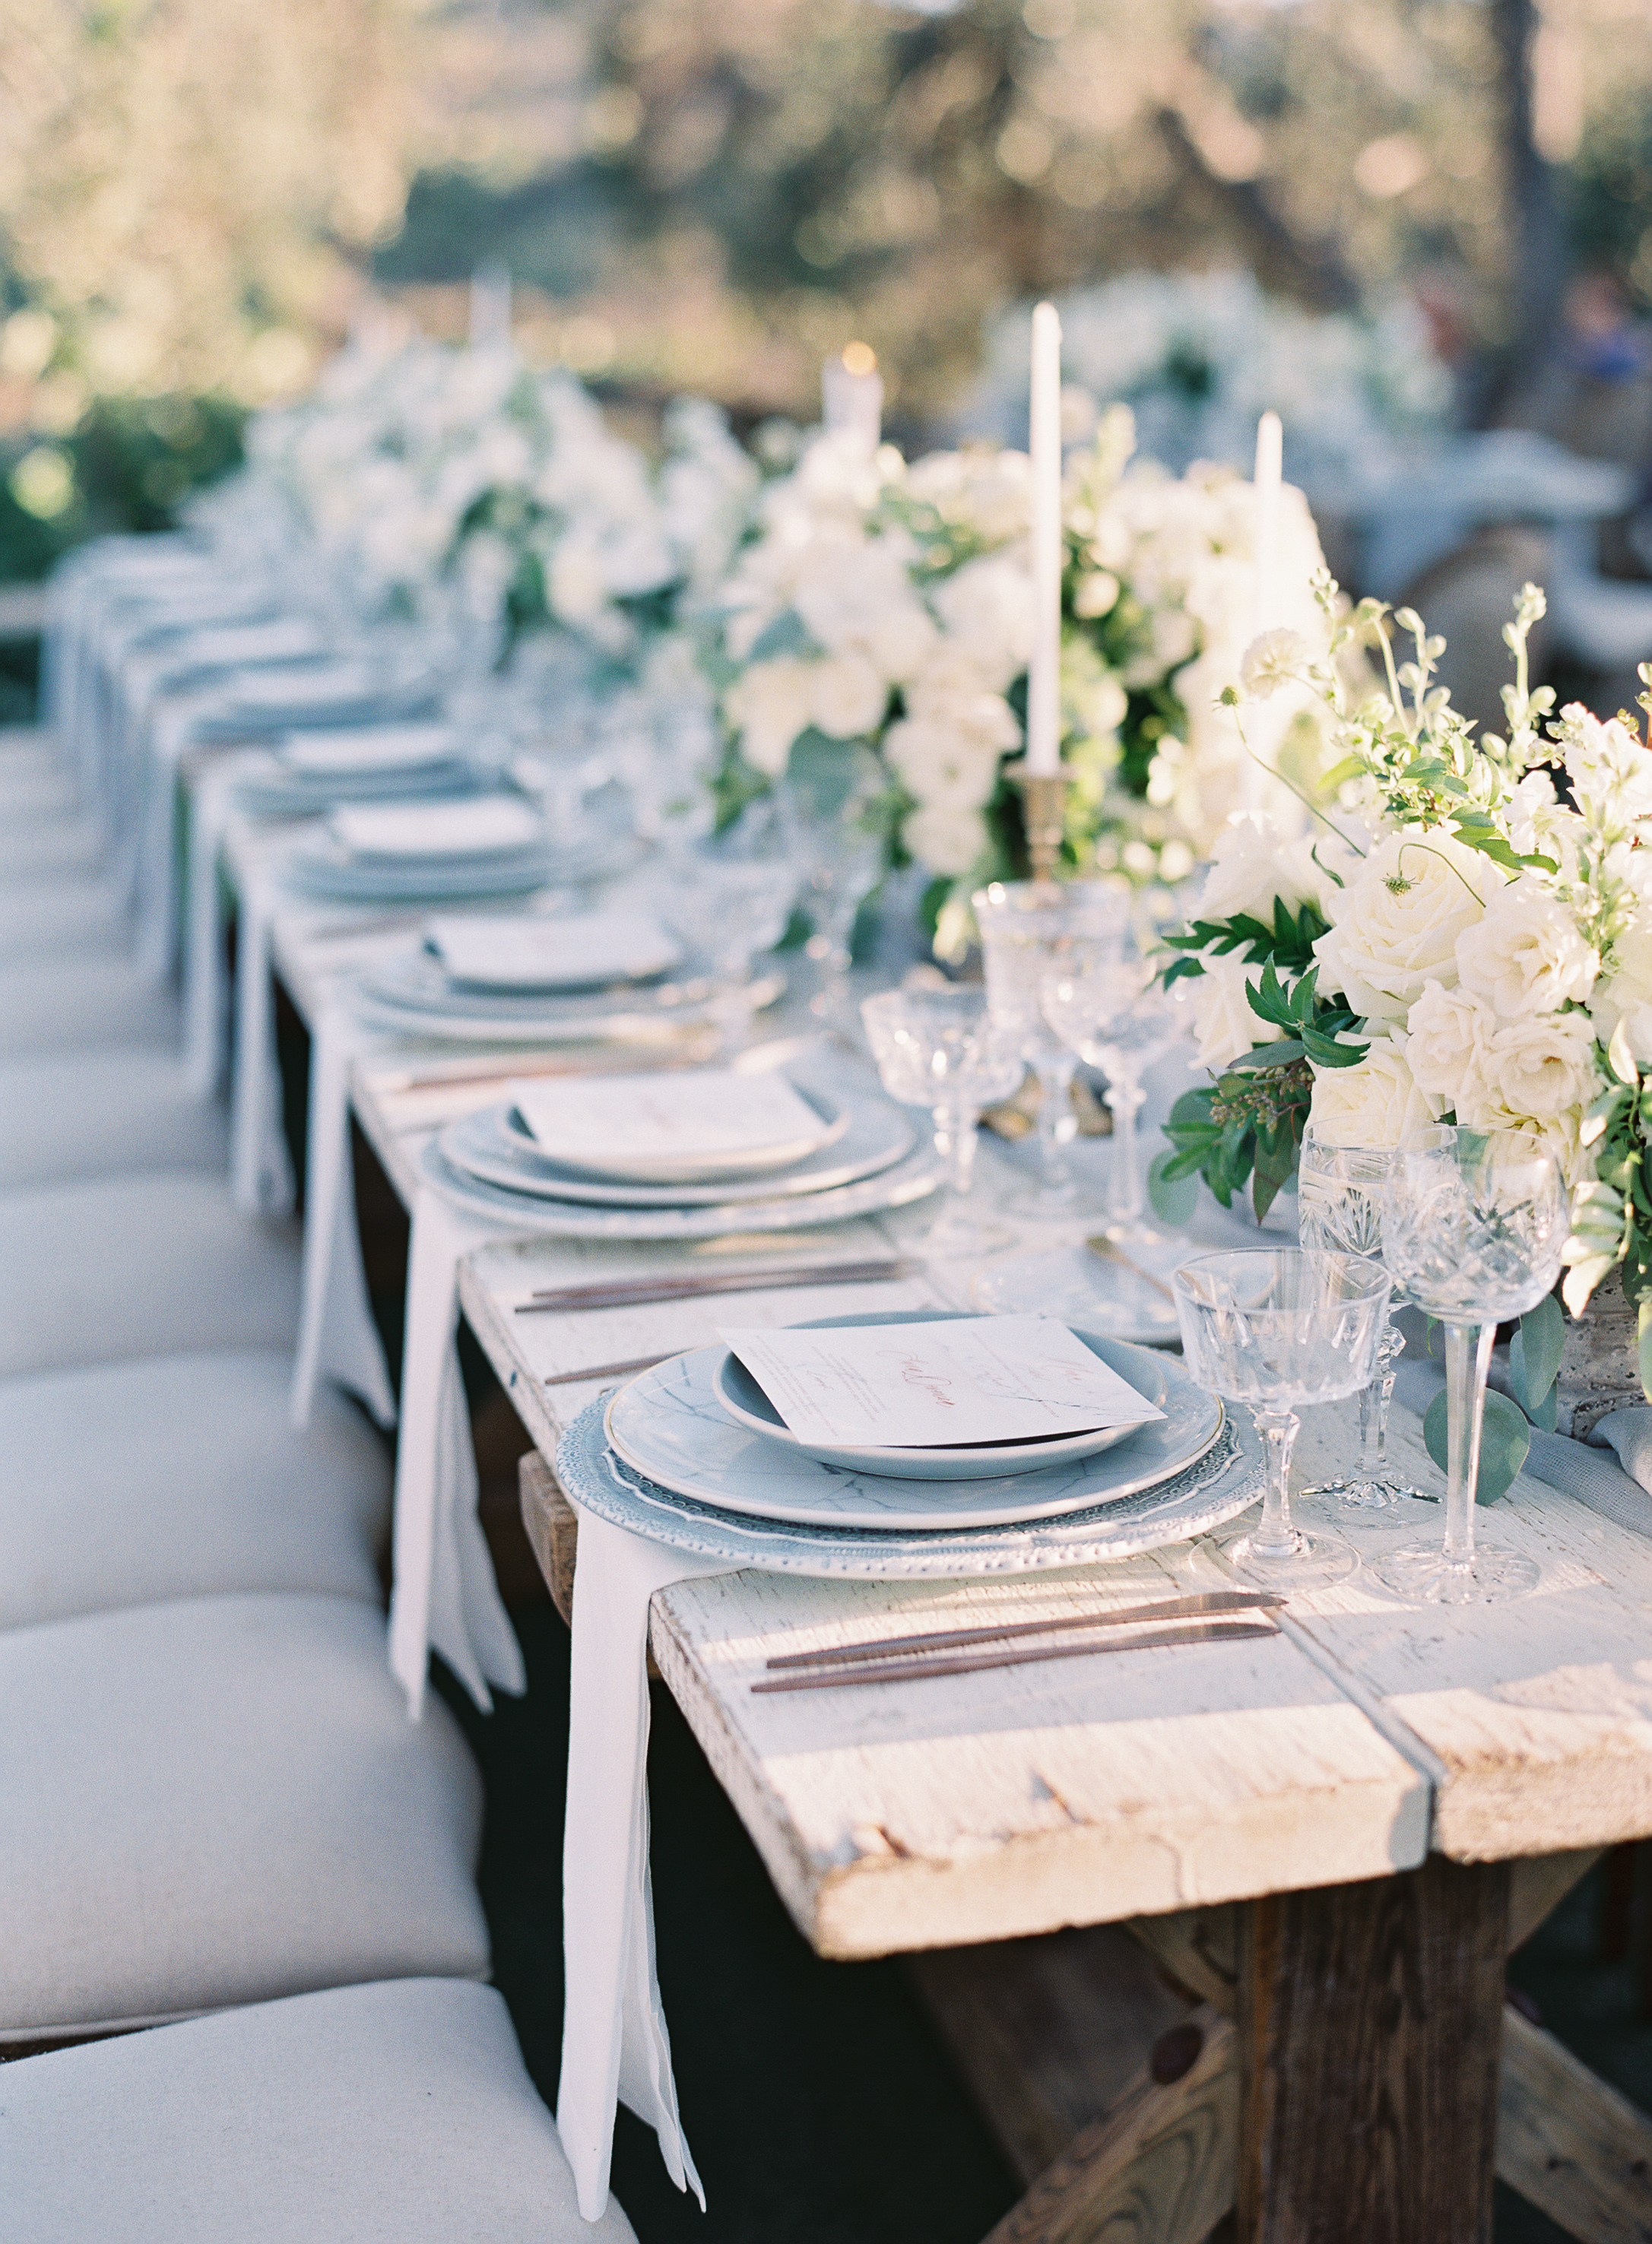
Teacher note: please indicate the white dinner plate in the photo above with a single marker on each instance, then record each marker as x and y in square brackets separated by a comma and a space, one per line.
[495, 1147]
[415, 978]
[898, 1186]
[743, 1398]
[669, 1426]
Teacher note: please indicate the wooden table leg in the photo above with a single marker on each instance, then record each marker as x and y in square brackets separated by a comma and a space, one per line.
[1370, 2026]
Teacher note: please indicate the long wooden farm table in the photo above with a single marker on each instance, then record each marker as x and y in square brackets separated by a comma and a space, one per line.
[1327, 1842]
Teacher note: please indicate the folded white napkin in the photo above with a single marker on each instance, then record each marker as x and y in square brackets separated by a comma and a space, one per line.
[261, 1171]
[552, 954]
[206, 1011]
[367, 750]
[444, 1594]
[614, 2042]
[337, 1338]
[477, 826]
[284, 639]
[271, 693]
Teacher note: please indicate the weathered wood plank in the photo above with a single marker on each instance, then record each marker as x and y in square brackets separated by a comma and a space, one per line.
[1537, 1716]
[553, 1529]
[1570, 2143]
[1370, 2039]
[1019, 1800]
[1156, 2169]
[1048, 2033]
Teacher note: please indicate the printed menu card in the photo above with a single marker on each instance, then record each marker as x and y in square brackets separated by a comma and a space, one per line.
[928, 1386]
[672, 1116]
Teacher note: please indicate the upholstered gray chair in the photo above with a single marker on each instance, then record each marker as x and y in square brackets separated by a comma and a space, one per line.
[110, 1269]
[78, 1115]
[399, 2111]
[220, 1801]
[129, 1484]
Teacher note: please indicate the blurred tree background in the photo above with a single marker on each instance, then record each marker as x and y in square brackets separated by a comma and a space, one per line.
[198, 197]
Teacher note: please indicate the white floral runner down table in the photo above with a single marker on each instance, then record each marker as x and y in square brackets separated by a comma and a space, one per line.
[1384, 1764]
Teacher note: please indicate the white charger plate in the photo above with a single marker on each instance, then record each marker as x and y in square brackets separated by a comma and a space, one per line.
[492, 1146]
[669, 1426]
[898, 1186]
[742, 1397]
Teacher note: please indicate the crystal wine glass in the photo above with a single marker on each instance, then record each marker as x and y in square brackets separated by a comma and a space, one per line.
[729, 895]
[1279, 1331]
[1027, 927]
[1107, 1006]
[831, 800]
[941, 1049]
[1339, 1192]
[1474, 1225]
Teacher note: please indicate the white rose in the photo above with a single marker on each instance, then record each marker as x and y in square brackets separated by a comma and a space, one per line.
[899, 639]
[952, 692]
[1396, 924]
[1625, 993]
[1224, 1027]
[1526, 955]
[1254, 860]
[1442, 1041]
[847, 696]
[769, 707]
[946, 838]
[942, 768]
[1538, 1069]
[575, 584]
[1378, 1102]
[987, 606]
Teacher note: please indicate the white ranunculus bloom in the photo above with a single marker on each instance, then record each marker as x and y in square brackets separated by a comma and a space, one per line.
[1526, 955]
[939, 765]
[1376, 1102]
[1537, 1069]
[987, 606]
[848, 696]
[947, 837]
[1224, 1027]
[1395, 926]
[768, 705]
[1624, 993]
[900, 639]
[1442, 1041]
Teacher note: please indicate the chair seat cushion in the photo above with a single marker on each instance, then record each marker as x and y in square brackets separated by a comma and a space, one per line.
[45, 849]
[391, 2114]
[89, 1114]
[103, 1271]
[75, 1004]
[180, 1477]
[73, 918]
[220, 1801]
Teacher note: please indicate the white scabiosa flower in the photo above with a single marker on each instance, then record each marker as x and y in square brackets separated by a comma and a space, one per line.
[1272, 659]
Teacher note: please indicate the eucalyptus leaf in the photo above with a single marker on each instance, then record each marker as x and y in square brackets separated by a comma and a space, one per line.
[1173, 1199]
[1534, 1354]
[1505, 1439]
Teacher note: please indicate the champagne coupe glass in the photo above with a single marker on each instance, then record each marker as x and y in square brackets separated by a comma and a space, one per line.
[941, 1049]
[1339, 1191]
[1474, 1225]
[1277, 1332]
[1107, 1006]
[729, 895]
[1027, 927]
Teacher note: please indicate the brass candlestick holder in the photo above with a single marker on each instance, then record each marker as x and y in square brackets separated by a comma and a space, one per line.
[1043, 814]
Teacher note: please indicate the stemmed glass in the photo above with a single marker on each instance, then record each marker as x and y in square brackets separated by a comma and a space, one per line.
[729, 895]
[1280, 1331]
[1339, 1191]
[831, 801]
[941, 1049]
[1027, 927]
[1474, 1226]
[1106, 1007]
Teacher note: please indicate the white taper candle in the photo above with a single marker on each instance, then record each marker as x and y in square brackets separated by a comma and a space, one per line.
[1270, 437]
[1044, 676]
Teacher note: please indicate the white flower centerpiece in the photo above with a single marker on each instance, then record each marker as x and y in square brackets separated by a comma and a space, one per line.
[432, 467]
[887, 607]
[1460, 945]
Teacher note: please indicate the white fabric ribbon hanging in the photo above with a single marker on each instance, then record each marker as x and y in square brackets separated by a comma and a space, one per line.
[337, 1338]
[261, 1170]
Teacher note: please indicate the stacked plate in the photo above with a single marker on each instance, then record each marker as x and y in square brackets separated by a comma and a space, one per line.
[309, 772]
[538, 980]
[688, 1154]
[472, 846]
[693, 1454]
